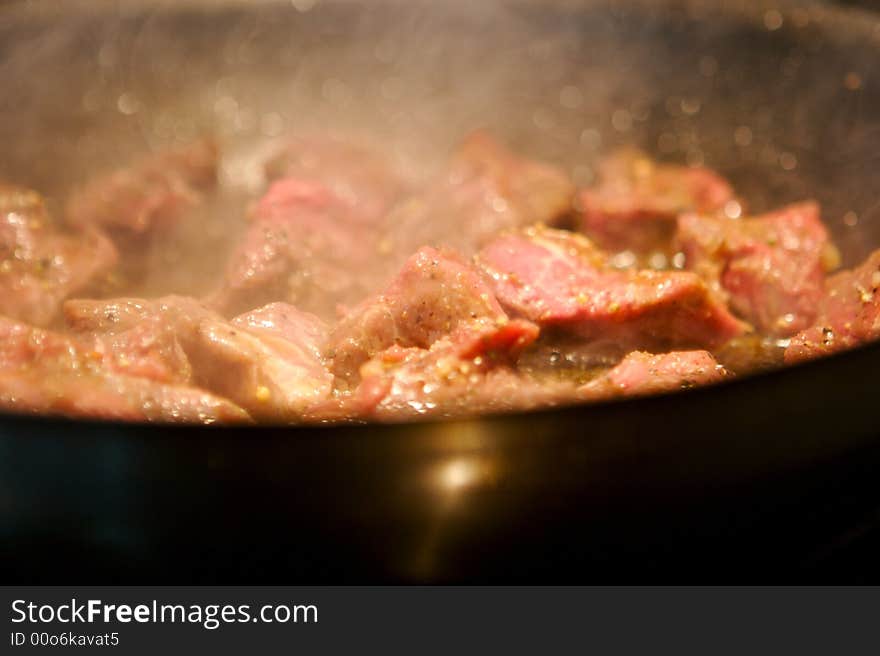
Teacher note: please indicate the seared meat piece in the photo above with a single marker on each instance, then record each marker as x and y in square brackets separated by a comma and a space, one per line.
[286, 322]
[141, 337]
[40, 264]
[314, 237]
[46, 372]
[359, 176]
[150, 349]
[305, 245]
[319, 240]
[771, 267]
[484, 190]
[643, 373]
[751, 353]
[434, 294]
[636, 200]
[120, 314]
[269, 361]
[21, 344]
[150, 194]
[355, 298]
[92, 395]
[467, 372]
[558, 356]
[559, 280]
[849, 314]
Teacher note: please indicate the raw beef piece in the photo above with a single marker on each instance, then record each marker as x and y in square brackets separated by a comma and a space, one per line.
[849, 314]
[434, 294]
[40, 264]
[91, 395]
[359, 176]
[150, 194]
[643, 373]
[314, 238]
[286, 322]
[467, 372]
[115, 315]
[771, 268]
[560, 281]
[304, 245]
[267, 361]
[139, 351]
[636, 200]
[46, 372]
[323, 242]
[21, 344]
[485, 189]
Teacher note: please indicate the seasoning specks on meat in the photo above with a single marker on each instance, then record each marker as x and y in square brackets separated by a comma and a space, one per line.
[153, 191]
[643, 373]
[770, 267]
[484, 189]
[636, 201]
[42, 264]
[434, 294]
[560, 280]
[354, 295]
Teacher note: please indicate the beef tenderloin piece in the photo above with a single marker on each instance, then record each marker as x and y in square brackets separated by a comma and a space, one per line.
[434, 294]
[848, 314]
[314, 238]
[770, 268]
[635, 201]
[358, 175]
[149, 195]
[267, 361]
[641, 373]
[304, 245]
[562, 282]
[42, 264]
[45, 372]
[484, 190]
[148, 338]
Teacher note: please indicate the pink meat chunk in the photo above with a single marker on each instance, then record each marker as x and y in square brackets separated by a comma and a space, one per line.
[150, 194]
[267, 361]
[117, 315]
[43, 372]
[40, 264]
[636, 200]
[559, 280]
[849, 314]
[356, 174]
[467, 372]
[771, 268]
[284, 321]
[312, 242]
[109, 397]
[643, 373]
[485, 189]
[433, 295]
[145, 338]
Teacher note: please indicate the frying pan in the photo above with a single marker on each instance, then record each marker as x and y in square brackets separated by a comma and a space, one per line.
[731, 481]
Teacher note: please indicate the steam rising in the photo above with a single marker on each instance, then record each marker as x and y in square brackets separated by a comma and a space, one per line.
[735, 88]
